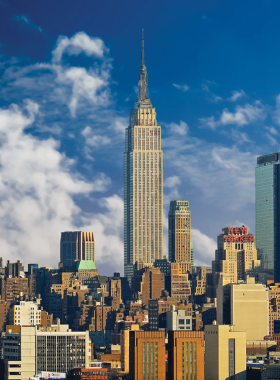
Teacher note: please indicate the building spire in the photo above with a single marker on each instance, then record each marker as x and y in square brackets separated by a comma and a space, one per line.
[143, 53]
[143, 99]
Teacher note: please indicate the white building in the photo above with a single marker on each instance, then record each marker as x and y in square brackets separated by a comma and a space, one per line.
[27, 313]
[27, 350]
[177, 320]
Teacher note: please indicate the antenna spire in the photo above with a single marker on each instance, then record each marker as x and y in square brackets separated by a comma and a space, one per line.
[143, 54]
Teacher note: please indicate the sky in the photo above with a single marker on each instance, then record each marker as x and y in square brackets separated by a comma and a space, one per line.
[68, 80]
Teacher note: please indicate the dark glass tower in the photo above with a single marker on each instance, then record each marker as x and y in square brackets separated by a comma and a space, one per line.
[268, 212]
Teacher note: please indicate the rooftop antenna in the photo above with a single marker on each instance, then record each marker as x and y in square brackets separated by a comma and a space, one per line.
[142, 54]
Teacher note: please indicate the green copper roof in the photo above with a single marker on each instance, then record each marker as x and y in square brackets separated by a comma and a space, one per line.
[85, 265]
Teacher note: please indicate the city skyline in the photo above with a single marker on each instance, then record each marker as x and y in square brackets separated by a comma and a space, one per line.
[68, 139]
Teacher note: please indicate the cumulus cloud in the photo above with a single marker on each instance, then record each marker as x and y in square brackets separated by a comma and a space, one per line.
[242, 116]
[93, 139]
[37, 186]
[236, 95]
[79, 43]
[181, 87]
[204, 247]
[57, 83]
[181, 128]
[172, 181]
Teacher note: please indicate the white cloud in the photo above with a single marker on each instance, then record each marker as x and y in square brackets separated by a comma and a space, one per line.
[181, 129]
[77, 44]
[37, 185]
[182, 87]
[204, 247]
[242, 116]
[94, 140]
[172, 181]
[85, 84]
[236, 95]
[272, 130]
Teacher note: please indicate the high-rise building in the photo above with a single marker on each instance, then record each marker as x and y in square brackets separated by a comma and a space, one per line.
[268, 212]
[244, 306]
[76, 245]
[179, 230]
[225, 353]
[235, 255]
[186, 355]
[143, 181]
[26, 313]
[147, 355]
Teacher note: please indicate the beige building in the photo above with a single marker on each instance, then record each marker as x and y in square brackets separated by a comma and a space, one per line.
[27, 350]
[225, 353]
[27, 313]
[245, 306]
[179, 233]
[180, 284]
[143, 181]
[76, 245]
[235, 255]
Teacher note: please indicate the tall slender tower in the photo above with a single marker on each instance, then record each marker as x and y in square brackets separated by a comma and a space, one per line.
[143, 188]
[179, 230]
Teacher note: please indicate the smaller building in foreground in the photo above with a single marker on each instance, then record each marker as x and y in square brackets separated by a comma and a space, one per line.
[225, 353]
[186, 355]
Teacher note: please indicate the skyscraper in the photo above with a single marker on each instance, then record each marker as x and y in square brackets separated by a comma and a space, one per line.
[235, 255]
[268, 212]
[179, 230]
[143, 195]
[76, 245]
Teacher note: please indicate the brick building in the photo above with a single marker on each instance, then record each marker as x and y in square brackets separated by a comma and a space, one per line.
[147, 355]
[186, 355]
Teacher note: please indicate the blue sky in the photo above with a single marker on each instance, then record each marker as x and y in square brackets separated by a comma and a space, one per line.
[68, 73]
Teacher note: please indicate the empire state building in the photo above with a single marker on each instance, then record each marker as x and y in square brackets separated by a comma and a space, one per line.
[143, 177]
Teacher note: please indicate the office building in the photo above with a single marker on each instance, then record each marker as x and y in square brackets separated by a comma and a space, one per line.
[186, 355]
[179, 233]
[76, 245]
[147, 355]
[267, 185]
[274, 306]
[245, 306]
[27, 350]
[143, 181]
[225, 353]
[235, 255]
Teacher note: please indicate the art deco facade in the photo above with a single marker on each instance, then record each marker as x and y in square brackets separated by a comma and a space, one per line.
[235, 255]
[179, 229]
[268, 212]
[143, 177]
[76, 245]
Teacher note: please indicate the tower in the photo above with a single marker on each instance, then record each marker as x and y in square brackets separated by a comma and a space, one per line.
[179, 230]
[76, 245]
[268, 212]
[143, 187]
